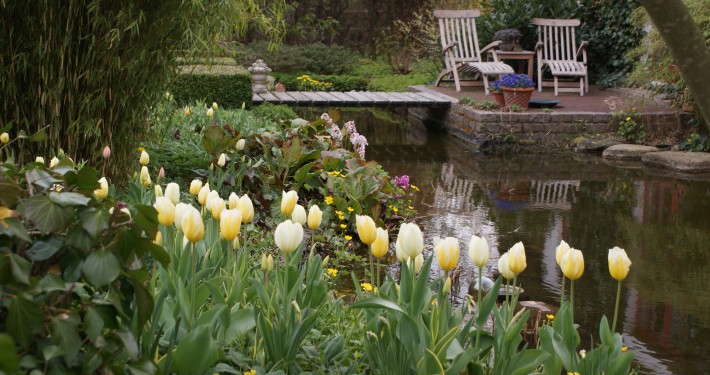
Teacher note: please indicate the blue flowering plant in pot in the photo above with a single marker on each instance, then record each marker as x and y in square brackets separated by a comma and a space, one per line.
[517, 89]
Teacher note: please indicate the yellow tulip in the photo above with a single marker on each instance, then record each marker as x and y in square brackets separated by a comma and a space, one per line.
[215, 106]
[267, 262]
[299, 215]
[188, 112]
[180, 210]
[172, 191]
[411, 240]
[4, 137]
[288, 202]
[158, 191]
[315, 217]
[418, 262]
[210, 112]
[240, 144]
[222, 160]
[166, 210]
[233, 201]
[401, 256]
[288, 236]
[504, 268]
[211, 196]
[478, 251]
[381, 244]
[230, 223]
[158, 239]
[145, 158]
[144, 176]
[202, 195]
[366, 229]
[192, 226]
[247, 208]
[573, 264]
[516, 260]
[195, 187]
[561, 249]
[39, 159]
[619, 263]
[53, 163]
[447, 253]
[102, 191]
[216, 207]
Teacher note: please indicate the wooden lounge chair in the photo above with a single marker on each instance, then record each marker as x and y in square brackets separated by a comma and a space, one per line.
[459, 42]
[557, 51]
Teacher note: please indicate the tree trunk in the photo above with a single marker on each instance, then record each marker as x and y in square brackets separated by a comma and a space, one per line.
[687, 46]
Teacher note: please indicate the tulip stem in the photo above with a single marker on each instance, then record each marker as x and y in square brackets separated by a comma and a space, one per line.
[616, 307]
[562, 293]
[571, 298]
[372, 268]
[193, 303]
[478, 305]
[285, 289]
[378, 273]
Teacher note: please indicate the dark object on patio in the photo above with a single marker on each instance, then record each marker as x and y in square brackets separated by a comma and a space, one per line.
[543, 103]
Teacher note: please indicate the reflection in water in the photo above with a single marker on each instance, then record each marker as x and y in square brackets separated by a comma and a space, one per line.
[541, 199]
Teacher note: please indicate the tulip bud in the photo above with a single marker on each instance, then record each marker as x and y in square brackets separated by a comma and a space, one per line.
[315, 217]
[166, 211]
[211, 196]
[447, 286]
[504, 268]
[39, 159]
[325, 261]
[560, 251]
[53, 163]
[230, 224]
[60, 153]
[299, 215]
[202, 195]
[4, 137]
[145, 158]
[240, 144]
[102, 191]
[145, 176]
[188, 112]
[619, 263]
[247, 209]
[158, 239]
[418, 262]
[379, 247]
[401, 256]
[158, 191]
[233, 201]
[216, 207]
[516, 260]
[172, 191]
[161, 173]
[288, 202]
[222, 160]
[478, 251]
[573, 264]
[180, 210]
[106, 153]
[192, 226]
[211, 167]
[411, 240]
[195, 187]
[210, 112]
[267, 262]
[366, 229]
[288, 236]
[215, 106]
[447, 253]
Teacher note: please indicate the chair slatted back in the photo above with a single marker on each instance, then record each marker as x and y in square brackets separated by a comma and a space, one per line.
[459, 26]
[558, 38]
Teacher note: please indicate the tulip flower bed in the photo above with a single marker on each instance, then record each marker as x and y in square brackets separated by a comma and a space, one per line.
[225, 275]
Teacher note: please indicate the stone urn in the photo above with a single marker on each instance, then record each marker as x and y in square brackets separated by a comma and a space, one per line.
[259, 73]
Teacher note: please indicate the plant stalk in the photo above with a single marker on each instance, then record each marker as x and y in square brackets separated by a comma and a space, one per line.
[478, 304]
[562, 293]
[571, 298]
[616, 307]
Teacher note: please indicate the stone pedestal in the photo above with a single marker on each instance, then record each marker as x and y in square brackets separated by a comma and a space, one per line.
[259, 73]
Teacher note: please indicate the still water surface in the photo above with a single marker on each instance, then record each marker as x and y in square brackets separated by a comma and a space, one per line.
[663, 223]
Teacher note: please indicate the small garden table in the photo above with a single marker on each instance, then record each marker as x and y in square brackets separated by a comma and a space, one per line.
[512, 55]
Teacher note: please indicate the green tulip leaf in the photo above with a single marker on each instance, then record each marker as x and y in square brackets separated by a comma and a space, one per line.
[196, 352]
[144, 303]
[376, 303]
[101, 267]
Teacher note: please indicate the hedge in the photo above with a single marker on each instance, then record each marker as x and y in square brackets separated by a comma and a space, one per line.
[228, 90]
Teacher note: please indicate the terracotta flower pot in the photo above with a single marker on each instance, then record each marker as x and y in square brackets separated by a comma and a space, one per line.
[517, 96]
[499, 98]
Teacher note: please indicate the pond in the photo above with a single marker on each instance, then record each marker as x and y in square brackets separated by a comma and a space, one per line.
[663, 223]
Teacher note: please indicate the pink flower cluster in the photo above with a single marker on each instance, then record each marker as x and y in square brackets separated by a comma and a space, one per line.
[359, 142]
[401, 181]
[334, 129]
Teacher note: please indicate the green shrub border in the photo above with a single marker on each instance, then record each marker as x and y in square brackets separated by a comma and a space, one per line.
[228, 90]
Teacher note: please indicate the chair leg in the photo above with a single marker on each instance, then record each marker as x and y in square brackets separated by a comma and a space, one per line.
[440, 77]
[556, 93]
[485, 83]
[586, 83]
[539, 77]
[581, 86]
[456, 79]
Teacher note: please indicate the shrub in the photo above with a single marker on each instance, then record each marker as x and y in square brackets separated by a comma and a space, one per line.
[229, 90]
[314, 58]
[272, 112]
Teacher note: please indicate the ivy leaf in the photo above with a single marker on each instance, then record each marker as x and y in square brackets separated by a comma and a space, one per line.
[9, 192]
[44, 249]
[20, 268]
[41, 178]
[47, 215]
[24, 319]
[65, 335]
[15, 229]
[68, 199]
[40, 136]
[94, 221]
[87, 180]
[9, 360]
[101, 267]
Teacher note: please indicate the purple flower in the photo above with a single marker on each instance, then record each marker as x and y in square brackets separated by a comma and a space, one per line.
[516, 81]
[401, 181]
[327, 118]
[335, 132]
[350, 128]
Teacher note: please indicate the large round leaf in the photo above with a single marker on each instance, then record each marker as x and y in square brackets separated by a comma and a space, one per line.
[100, 268]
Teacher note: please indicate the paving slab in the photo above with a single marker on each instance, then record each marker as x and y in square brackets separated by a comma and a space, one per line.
[594, 145]
[628, 151]
[687, 162]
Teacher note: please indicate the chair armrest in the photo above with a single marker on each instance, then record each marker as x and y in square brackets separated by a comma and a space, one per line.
[583, 50]
[450, 46]
[491, 45]
[538, 46]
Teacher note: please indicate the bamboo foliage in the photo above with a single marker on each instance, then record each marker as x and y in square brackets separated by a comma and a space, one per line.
[90, 69]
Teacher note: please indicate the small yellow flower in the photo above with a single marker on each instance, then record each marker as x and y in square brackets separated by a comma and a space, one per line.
[628, 119]
[332, 272]
[339, 213]
[141, 149]
[348, 238]
[572, 373]
[250, 372]
[395, 209]
[414, 187]
[366, 287]
[624, 348]
[343, 226]
[350, 209]
[410, 207]
[341, 217]
[550, 317]
[328, 200]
